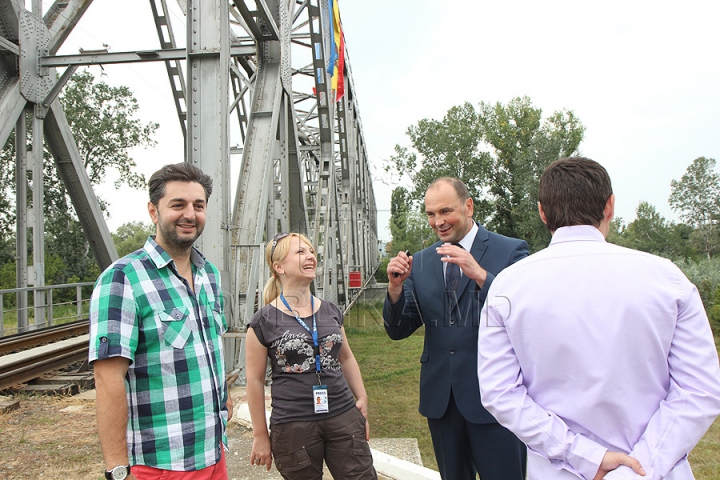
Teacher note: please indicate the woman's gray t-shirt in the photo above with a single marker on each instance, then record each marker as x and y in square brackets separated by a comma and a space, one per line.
[290, 349]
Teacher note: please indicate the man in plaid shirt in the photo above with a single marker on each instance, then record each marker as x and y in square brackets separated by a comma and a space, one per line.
[156, 320]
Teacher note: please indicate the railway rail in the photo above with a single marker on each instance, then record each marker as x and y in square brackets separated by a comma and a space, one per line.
[36, 338]
[27, 356]
[41, 351]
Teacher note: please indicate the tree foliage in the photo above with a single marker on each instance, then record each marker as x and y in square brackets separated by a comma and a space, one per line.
[408, 225]
[499, 151]
[696, 197]
[131, 236]
[447, 147]
[651, 232]
[102, 119]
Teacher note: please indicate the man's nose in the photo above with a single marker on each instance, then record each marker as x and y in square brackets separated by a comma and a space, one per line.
[189, 212]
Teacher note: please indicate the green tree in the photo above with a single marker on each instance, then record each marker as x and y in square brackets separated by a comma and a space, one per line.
[449, 147]
[499, 151]
[400, 204]
[523, 147]
[651, 232]
[68, 243]
[714, 312]
[616, 231]
[131, 236]
[409, 227]
[704, 274]
[381, 272]
[103, 125]
[102, 119]
[696, 196]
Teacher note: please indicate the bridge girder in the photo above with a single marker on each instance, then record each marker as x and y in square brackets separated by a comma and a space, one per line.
[256, 69]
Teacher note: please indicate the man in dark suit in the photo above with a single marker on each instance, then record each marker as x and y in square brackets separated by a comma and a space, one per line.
[429, 289]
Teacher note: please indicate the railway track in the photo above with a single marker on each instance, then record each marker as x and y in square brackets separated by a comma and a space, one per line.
[36, 338]
[25, 357]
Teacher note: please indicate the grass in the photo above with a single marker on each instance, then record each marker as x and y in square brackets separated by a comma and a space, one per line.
[62, 313]
[705, 457]
[391, 372]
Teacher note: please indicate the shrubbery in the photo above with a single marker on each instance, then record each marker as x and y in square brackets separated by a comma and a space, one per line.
[705, 274]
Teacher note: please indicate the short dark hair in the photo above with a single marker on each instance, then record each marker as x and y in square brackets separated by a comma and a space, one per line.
[178, 172]
[459, 186]
[574, 191]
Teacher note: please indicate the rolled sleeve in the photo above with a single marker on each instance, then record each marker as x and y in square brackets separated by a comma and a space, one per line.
[113, 314]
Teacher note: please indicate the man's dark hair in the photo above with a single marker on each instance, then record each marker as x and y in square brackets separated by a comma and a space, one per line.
[179, 172]
[574, 191]
[457, 184]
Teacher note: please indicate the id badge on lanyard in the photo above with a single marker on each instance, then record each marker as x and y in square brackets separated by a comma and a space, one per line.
[320, 397]
[320, 391]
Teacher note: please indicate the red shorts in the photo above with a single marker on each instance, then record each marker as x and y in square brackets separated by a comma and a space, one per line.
[213, 472]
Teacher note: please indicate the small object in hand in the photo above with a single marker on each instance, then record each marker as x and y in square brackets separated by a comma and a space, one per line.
[396, 274]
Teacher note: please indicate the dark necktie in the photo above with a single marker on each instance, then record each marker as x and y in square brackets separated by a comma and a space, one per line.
[452, 280]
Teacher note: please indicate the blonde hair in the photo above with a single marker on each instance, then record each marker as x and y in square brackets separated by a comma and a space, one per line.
[276, 253]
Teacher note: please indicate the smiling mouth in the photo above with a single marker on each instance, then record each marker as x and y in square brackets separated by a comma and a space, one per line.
[186, 226]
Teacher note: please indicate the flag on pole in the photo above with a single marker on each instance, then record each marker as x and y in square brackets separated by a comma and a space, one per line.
[336, 62]
[332, 58]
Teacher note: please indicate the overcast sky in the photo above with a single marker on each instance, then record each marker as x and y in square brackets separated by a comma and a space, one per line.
[642, 76]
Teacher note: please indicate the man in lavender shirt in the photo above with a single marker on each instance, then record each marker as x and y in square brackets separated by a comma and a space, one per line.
[598, 357]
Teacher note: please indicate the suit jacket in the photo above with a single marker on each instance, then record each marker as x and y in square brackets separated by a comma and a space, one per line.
[449, 358]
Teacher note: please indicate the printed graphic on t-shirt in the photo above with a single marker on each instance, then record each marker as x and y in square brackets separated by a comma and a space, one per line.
[294, 352]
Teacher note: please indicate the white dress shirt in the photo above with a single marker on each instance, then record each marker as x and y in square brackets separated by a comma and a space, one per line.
[466, 243]
[586, 346]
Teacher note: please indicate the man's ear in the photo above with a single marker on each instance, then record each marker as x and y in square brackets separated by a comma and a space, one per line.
[470, 207]
[542, 213]
[152, 210]
[609, 211]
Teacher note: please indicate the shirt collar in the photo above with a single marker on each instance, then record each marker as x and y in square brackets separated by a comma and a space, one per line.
[468, 240]
[577, 233]
[161, 258]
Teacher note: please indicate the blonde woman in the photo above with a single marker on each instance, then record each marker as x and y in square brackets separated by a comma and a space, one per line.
[318, 397]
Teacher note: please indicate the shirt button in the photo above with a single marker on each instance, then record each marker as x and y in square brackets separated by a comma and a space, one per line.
[452, 351]
[452, 321]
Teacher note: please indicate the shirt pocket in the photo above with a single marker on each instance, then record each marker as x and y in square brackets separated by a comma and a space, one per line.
[174, 326]
[219, 318]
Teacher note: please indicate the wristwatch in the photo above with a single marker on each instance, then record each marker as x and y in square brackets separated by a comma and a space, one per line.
[118, 473]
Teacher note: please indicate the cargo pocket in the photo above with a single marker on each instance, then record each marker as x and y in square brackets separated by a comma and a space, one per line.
[174, 327]
[360, 460]
[290, 462]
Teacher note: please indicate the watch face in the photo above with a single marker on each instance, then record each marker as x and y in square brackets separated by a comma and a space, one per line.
[119, 473]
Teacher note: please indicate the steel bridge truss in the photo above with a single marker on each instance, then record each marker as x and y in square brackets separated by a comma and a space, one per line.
[256, 69]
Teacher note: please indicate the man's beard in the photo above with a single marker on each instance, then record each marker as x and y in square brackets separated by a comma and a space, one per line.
[174, 240]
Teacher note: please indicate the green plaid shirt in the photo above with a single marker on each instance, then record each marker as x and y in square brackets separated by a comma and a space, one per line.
[143, 310]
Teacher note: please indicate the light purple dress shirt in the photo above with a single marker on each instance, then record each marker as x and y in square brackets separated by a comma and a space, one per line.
[586, 346]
